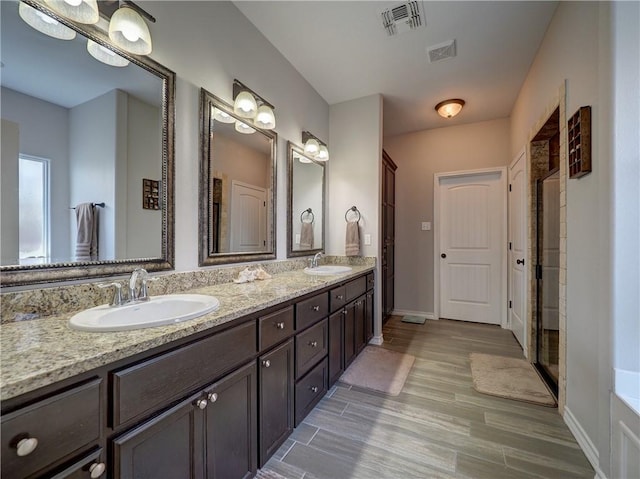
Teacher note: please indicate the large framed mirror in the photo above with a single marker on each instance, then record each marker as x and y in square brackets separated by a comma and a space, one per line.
[237, 186]
[305, 203]
[79, 134]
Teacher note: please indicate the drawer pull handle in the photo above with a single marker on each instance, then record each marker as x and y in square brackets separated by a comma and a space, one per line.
[97, 469]
[279, 325]
[266, 363]
[340, 297]
[314, 389]
[27, 446]
[344, 312]
[316, 308]
[313, 344]
[201, 403]
[213, 397]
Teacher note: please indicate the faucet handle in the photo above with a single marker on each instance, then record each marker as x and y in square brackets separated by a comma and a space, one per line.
[144, 294]
[117, 300]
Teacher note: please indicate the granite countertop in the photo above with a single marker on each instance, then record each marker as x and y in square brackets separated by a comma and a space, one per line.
[39, 352]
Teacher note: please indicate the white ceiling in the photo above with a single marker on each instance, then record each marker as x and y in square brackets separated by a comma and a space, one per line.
[342, 50]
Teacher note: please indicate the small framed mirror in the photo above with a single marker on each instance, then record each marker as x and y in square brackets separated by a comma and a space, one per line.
[237, 186]
[306, 203]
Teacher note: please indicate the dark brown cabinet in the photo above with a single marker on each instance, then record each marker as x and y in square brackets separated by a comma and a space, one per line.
[388, 234]
[275, 398]
[360, 325]
[336, 346]
[349, 334]
[368, 316]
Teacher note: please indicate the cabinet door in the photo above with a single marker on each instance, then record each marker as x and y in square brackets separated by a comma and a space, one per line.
[336, 347]
[230, 426]
[349, 334]
[275, 399]
[368, 316]
[360, 324]
[167, 446]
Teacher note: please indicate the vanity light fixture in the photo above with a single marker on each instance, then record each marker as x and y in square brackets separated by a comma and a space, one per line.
[248, 104]
[314, 148]
[449, 108]
[243, 128]
[222, 116]
[302, 159]
[81, 11]
[128, 29]
[44, 23]
[105, 55]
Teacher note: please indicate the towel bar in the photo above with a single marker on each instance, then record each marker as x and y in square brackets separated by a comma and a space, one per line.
[309, 211]
[355, 210]
[101, 205]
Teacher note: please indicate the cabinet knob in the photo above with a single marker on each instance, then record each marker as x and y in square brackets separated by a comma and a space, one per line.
[340, 297]
[26, 446]
[279, 325]
[316, 308]
[97, 469]
[201, 403]
[344, 312]
[314, 389]
[213, 397]
[266, 363]
[313, 344]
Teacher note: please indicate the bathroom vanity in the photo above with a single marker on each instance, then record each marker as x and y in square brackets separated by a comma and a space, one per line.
[214, 397]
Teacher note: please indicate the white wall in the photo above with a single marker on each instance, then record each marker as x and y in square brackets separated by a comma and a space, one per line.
[419, 156]
[217, 44]
[9, 219]
[241, 162]
[354, 178]
[575, 48]
[44, 133]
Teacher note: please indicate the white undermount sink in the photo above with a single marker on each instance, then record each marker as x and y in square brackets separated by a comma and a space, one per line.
[328, 269]
[158, 311]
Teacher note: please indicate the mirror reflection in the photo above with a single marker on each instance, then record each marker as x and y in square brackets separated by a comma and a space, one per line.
[237, 187]
[85, 151]
[306, 203]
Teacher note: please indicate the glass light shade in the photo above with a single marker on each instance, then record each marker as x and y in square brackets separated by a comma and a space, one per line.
[449, 108]
[44, 23]
[81, 11]
[303, 159]
[265, 118]
[323, 154]
[128, 30]
[245, 105]
[105, 55]
[244, 128]
[222, 116]
[312, 147]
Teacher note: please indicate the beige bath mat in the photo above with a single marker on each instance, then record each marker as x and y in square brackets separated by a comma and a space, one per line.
[379, 369]
[509, 378]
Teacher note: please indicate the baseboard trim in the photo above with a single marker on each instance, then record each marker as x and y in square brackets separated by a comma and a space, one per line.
[589, 449]
[377, 340]
[403, 312]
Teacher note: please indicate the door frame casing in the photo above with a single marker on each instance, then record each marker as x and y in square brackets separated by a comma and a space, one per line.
[502, 170]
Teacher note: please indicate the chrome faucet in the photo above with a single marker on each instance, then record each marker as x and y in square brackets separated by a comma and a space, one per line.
[314, 261]
[135, 293]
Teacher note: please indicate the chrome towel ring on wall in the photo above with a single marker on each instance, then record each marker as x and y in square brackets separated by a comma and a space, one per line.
[355, 210]
[309, 212]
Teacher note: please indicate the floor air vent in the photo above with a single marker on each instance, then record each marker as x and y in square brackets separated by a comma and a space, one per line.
[442, 51]
[402, 17]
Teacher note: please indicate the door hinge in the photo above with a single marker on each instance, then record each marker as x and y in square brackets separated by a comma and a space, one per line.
[510, 304]
[510, 245]
[538, 271]
[509, 186]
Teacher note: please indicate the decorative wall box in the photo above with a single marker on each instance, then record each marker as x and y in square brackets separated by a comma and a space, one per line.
[150, 194]
[579, 142]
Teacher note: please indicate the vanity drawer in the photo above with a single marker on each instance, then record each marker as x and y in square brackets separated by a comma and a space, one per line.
[275, 327]
[146, 387]
[311, 346]
[310, 389]
[62, 425]
[311, 310]
[356, 288]
[371, 282]
[337, 298]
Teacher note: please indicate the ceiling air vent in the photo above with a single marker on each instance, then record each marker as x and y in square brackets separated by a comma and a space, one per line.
[402, 17]
[442, 51]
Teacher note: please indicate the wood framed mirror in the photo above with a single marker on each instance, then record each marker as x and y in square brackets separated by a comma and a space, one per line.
[237, 186]
[93, 133]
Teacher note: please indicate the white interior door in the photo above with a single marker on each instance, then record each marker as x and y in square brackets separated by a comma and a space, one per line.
[472, 240]
[248, 217]
[518, 249]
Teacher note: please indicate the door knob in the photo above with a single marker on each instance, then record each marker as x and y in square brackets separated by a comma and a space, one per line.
[520, 261]
[443, 255]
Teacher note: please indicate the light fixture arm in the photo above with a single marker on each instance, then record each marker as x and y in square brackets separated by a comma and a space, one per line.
[239, 87]
[138, 9]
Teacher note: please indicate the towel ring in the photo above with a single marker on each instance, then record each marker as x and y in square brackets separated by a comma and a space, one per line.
[309, 212]
[355, 210]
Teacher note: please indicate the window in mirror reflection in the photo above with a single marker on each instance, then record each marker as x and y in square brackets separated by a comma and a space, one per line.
[307, 203]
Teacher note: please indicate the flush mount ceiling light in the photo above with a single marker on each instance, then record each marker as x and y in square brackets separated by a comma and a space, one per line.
[449, 108]
[44, 23]
[244, 128]
[105, 55]
[81, 11]
[248, 104]
[314, 148]
[129, 31]
[222, 116]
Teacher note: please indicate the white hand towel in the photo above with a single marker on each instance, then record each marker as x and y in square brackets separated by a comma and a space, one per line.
[86, 239]
[306, 235]
[352, 241]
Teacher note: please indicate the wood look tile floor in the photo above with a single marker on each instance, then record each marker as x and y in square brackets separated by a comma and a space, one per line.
[438, 427]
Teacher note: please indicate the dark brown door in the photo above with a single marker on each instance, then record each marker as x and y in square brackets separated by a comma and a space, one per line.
[230, 426]
[349, 333]
[388, 233]
[360, 326]
[275, 398]
[336, 346]
[368, 316]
